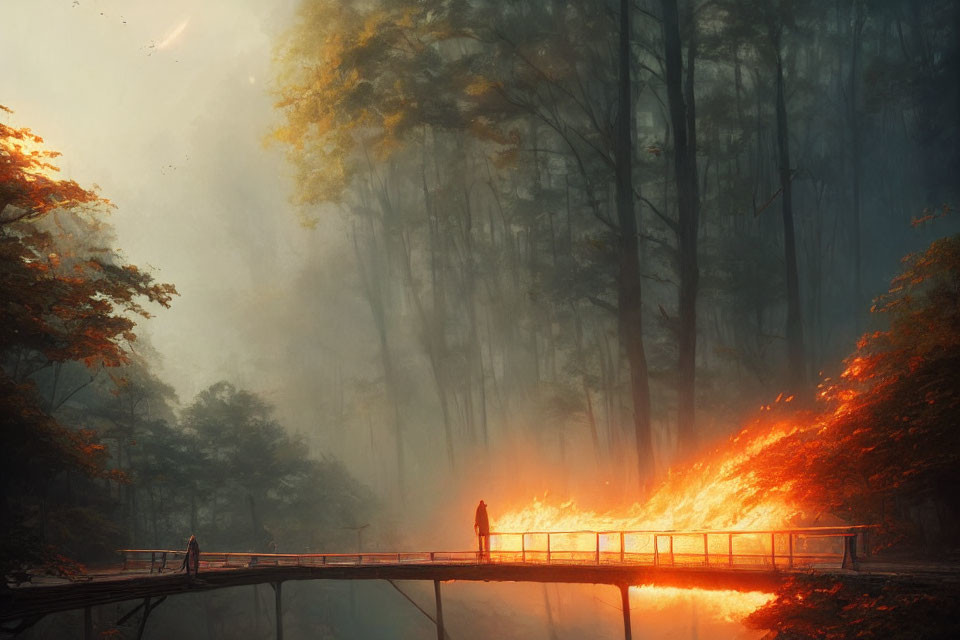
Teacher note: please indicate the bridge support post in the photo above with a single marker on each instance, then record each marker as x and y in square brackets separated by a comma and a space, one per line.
[256, 611]
[625, 603]
[279, 608]
[441, 634]
[143, 618]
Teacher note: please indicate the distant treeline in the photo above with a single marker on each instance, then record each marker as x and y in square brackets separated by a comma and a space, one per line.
[94, 456]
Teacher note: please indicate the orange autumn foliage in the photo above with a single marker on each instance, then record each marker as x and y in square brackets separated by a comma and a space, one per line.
[886, 448]
[64, 295]
[28, 188]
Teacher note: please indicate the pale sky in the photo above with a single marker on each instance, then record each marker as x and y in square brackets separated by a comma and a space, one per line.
[165, 106]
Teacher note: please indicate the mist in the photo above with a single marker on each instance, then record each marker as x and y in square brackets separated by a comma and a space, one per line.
[400, 239]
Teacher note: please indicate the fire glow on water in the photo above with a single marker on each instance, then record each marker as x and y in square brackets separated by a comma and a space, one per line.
[722, 606]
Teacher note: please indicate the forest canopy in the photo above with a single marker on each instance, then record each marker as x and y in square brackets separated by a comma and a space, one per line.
[637, 281]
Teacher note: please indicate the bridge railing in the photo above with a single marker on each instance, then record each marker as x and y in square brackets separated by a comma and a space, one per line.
[811, 547]
[168, 560]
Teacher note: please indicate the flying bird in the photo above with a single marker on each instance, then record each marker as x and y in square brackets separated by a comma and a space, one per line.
[173, 35]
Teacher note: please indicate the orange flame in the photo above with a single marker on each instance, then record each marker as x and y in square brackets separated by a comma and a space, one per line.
[704, 496]
[707, 495]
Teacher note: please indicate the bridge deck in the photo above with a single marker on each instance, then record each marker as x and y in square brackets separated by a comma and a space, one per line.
[745, 561]
[29, 601]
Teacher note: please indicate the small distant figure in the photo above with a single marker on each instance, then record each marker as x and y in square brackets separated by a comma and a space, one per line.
[192, 557]
[481, 525]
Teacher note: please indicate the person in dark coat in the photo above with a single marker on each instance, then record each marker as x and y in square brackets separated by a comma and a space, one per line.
[192, 557]
[481, 525]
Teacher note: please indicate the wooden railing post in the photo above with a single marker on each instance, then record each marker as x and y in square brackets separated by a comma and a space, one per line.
[706, 552]
[672, 562]
[153, 557]
[656, 552]
[622, 548]
[849, 560]
[548, 548]
[773, 550]
[598, 547]
[730, 549]
[790, 549]
[523, 547]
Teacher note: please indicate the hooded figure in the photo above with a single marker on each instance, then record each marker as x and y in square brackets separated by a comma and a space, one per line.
[192, 557]
[481, 525]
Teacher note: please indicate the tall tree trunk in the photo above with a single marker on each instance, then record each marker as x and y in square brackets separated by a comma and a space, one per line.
[629, 298]
[584, 383]
[795, 352]
[856, 150]
[476, 356]
[154, 520]
[432, 326]
[194, 520]
[683, 117]
[372, 286]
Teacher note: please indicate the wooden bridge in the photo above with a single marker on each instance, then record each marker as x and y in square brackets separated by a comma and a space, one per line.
[707, 559]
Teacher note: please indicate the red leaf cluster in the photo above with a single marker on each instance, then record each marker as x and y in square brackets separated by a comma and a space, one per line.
[64, 295]
[27, 185]
[886, 447]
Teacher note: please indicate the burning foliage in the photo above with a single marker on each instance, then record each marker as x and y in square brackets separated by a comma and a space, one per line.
[882, 449]
[884, 439]
[885, 450]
